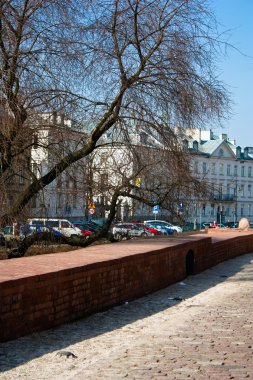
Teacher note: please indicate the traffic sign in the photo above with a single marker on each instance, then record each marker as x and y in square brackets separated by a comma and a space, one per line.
[91, 204]
[155, 208]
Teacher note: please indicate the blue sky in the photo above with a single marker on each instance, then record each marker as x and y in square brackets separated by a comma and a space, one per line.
[236, 70]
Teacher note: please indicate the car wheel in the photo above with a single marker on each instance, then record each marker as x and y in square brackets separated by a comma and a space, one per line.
[74, 236]
[118, 236]
[144, 234]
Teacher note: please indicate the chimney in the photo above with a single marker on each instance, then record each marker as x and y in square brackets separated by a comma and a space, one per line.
[246, 152]
[195, 145]
[238, 152]
[223, 136]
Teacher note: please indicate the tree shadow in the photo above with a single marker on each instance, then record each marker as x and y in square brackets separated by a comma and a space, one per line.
[22, 350]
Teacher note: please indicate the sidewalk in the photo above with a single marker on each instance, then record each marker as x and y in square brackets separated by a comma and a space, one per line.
[207, 335]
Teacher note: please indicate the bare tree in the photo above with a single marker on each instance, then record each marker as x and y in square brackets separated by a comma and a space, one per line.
[104, 64]
[144, 176]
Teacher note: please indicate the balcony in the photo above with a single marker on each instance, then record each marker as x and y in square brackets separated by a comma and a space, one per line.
[222, 197]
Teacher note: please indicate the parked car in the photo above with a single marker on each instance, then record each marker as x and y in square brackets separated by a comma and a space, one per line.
[8, 233]
[153, 230]
[27, 230]
[132, 230]
[30, 229]
[162, 223]
[162, 230]
[62, 225]
[85, 232]
[221, 225]
[119, 232]
[2, 239]
[88, 226]
[207, 225]
[231, 224]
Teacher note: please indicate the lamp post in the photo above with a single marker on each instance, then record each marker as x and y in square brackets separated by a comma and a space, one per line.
[200, 216]
[220, 209]
[235, 181]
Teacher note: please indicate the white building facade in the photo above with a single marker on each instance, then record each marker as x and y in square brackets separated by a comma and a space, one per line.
[228, 170]
[225, 167]
[66, 196]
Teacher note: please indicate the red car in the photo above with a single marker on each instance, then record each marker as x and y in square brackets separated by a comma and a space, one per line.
[150, 229]
[85, 233]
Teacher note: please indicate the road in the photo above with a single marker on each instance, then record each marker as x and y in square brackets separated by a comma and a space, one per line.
[201, 328]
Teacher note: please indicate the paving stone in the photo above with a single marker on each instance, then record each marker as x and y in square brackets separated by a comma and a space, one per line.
[208, 335]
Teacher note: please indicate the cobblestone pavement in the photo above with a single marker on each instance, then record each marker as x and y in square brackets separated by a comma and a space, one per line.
[206, 335]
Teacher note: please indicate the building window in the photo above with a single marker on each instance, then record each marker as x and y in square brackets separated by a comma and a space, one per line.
[221, 169]
[196, 167]
[59, 201]
[249, 210]
[249, 190]
[242, 190]
[213, 168]
[242, 210]
[74, 199]
[235, 170]
[104, 181]
[21, 175]
[35, 141]
[249, 171]
[228, 169]
[243, 171]
[221, 153]
[204, 167]
[212, 209]
[34, 201]
[35, 169]
[59, 181]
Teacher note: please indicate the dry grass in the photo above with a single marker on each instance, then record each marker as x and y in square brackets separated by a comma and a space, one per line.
[41, 249]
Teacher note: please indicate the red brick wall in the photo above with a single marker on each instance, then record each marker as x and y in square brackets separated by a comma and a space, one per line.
[41, 301]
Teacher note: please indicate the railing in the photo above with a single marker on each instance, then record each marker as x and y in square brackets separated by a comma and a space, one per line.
[222, 197]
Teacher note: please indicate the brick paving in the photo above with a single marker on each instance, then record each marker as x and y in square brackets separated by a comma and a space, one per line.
[206, 335]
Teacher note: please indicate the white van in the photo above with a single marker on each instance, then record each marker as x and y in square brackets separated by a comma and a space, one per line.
[64, 226]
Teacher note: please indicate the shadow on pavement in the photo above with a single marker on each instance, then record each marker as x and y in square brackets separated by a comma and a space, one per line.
[22, 350]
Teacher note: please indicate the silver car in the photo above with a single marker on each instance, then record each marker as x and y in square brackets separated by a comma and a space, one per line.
[131, 230]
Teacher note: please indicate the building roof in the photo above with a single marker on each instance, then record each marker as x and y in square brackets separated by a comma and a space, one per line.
[210, 146]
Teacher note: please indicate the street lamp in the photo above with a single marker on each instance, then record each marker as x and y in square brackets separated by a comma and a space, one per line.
[200, 211]
[220, 212]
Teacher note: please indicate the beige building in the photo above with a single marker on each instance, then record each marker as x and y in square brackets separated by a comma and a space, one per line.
[228, 170]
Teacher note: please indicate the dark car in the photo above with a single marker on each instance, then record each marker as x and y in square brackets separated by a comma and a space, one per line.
[208, 225]
[8, 233]
[231, 224]
[31, 229]
[89, 226]
[2, 239]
